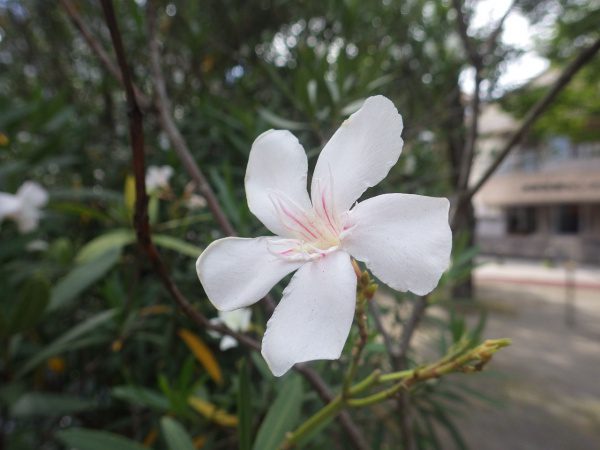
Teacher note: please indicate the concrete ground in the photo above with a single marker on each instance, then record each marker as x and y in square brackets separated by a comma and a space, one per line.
[550, 383]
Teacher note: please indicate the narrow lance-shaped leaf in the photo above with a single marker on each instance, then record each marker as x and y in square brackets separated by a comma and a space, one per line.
[49, 405]
[212, 412]
[83, 439]
[244, 408]
[31, 304]
[66, 341]
[282, 417]
[175, 435]
[81, 278]
[203, 354]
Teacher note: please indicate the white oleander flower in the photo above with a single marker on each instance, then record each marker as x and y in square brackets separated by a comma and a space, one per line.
[24, 207]
[195, 201]
[158, 177]
[404, 239]
[237, 320]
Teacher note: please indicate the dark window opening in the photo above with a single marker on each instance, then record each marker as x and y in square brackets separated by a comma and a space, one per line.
[567, 219]
[521, 220]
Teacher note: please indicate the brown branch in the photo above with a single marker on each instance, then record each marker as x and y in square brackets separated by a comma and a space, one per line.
[473, 132]
[476, 57]
[534, 114]
[476, 60]
[490, 42]
[145, 239]
[469, 45]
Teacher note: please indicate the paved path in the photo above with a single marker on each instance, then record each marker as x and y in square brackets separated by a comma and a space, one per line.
[532, 273]
[551, 373]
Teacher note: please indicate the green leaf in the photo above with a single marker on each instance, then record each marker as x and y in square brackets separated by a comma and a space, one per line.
[442, 418]
[378, 83]
[3, 324]
[175, 435]
[244, 408]
[279, 122]
[116, 239]
[141, 397]
[261, 366]
[82, 277]
[65, 342]
[49, 405]
[178, 245]
[31, 304]
[83, 439]
[282, 416]
[352, 107]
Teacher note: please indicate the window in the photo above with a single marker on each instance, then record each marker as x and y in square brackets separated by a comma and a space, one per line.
[521, 220]
[566, 219]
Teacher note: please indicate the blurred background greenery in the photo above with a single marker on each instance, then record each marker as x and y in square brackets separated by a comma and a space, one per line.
[89, 338]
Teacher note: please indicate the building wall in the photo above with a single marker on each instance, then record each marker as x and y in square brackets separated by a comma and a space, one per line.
[541, 182]
[494, 236]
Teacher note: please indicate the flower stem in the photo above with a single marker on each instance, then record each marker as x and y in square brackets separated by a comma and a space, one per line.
[465, 361]
[361, 321]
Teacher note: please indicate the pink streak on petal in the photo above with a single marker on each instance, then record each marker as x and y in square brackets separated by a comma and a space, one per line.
[295, 219]
[324, 204]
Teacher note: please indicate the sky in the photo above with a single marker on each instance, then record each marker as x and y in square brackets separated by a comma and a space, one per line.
[518, 32]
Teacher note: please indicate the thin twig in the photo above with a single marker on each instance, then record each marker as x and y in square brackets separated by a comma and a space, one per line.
[490, 42]
[163, 105]
[476, 56]
[98, 49]
[387, 339]
[473, 132]
[469, 361]
[409, 329]
[361, 341]
[463, 25]
[476, 59]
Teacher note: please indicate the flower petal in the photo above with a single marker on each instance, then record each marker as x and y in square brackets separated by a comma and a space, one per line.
[9, 205]
[237, 320]
[361, 152]
[404, 239]
[313, 319]
[32, 194]
[237, 272]
[28, 218]
[277, 164]
[227, 342]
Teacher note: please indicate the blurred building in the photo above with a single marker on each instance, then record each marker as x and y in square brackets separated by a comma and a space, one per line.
[543, 202]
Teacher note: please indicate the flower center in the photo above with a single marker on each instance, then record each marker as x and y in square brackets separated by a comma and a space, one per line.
[314, 233]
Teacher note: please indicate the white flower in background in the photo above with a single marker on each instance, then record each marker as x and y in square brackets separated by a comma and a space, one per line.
[404, 239]
[237, 320]
[158, 177]
[195, 201]
[24, 206]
